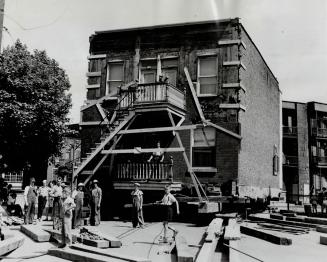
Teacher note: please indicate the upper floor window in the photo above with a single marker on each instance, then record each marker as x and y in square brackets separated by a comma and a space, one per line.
[151, 70]
[207, 75]
[204, 147]
[115, 77]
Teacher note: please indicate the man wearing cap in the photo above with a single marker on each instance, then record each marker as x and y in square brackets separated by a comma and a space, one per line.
[79, 199]
[57, 206]
[43, 193]
[96, 203]
[30, 194]
[137, 212]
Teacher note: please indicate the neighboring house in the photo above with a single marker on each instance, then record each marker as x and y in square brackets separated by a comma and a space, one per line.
[304, 148]
[202, 90]
[70, 154]
[14, 178]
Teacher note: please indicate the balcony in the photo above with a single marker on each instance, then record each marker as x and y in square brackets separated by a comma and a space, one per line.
[144, 171]
[153, 95]
[290, 131]
[320, 161]
[319, 132]
[291, 161]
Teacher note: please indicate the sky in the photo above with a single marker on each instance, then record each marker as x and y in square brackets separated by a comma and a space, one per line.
[290, 34]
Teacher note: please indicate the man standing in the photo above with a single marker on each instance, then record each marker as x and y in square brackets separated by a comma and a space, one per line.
[137, 212]
[56, 194]
[30, 200]
[95, 204]
[79, 200]
[42, 199]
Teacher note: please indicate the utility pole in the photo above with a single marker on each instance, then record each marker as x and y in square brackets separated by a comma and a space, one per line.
[2, 14]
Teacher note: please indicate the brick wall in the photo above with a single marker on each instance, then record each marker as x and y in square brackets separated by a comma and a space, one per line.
[260, 124]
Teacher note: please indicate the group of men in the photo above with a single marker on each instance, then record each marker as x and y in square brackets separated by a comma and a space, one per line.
[65, 203]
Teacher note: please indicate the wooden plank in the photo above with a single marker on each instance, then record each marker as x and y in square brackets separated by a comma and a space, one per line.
[93, 242]
[277, 216]
[323, 240]
[232, 230]
[223, 129]
[7, 233]
[213, 229]
[114, 242]
[227, 215]
[233, 254]
[80, 256]
[159, 129]
[109, 253]
[194, 96]
[321, 229]
[141, 150]
[207, 251]
[184, 253]
[208, 207]
[36, 233]
[10, 244]
[265, 236]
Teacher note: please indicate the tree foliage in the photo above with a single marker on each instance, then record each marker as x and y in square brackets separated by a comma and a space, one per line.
[34, 103]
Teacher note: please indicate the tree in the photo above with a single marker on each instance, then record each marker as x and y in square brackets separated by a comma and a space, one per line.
[34, 103]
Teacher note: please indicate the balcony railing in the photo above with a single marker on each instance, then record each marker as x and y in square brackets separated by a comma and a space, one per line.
[151, 93]
[291, 161]
[321, 132]
[289, 130]
[321, 160]
[144, 171]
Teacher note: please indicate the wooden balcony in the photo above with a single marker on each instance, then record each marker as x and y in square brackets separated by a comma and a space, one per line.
[144, 171]
[290, 131]
[321, 161]
[291, 161]
[153, 95]
[320, 132]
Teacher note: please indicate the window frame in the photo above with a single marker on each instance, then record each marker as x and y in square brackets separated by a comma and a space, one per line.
[212, 148]
[108, 80]
[198, 85]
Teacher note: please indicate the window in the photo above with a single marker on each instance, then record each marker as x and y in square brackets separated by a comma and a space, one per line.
[115, 77]
[169, 70]
[152, 69]
[204, 150]
[207, 75]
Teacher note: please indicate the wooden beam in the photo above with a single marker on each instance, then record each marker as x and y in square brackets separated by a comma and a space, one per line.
[36, 233]
[142, 150]
[279, 240]
[184, 252]
[228, 132]
[76, 255]
[10, 244]
[159, 129]
[194, 96]
[109, 254]
[114, 242]
[214, 229]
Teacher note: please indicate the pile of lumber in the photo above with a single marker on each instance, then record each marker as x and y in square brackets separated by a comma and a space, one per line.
[284, 229]
[113, 241]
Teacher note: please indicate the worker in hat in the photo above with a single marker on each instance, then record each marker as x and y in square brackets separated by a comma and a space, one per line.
[79, 201]
[43, 193]
[56, 193]
[30, 194]
[137, 204]
[96, 199]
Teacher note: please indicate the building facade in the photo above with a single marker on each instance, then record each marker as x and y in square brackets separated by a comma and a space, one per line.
[304, 148]
[200, 94]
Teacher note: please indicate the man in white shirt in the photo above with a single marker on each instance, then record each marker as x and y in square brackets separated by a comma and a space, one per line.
[42, 199]
[30, 194]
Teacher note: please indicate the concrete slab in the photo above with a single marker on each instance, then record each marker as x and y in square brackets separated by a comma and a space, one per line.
[36, 233]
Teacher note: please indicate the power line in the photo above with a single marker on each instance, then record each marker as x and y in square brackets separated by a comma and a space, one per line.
[36, 27]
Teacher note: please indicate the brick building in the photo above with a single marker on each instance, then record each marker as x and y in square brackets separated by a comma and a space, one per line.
[202, 90]
[304, 148]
